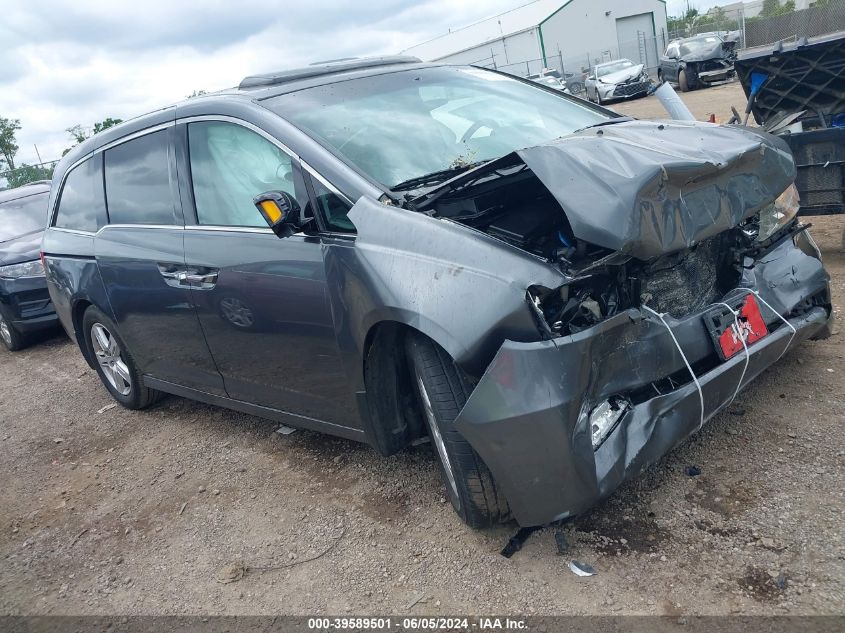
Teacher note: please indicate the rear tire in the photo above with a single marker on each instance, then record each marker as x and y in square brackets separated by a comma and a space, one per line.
[442, 391]
[12, 339]
[682, 81]
[114, 363]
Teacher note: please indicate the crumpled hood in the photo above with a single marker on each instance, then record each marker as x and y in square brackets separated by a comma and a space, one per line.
[21, 249]
[621, 76]
[719, 50]
[651, 188]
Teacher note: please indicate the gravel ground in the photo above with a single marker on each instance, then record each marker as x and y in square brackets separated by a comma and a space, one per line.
[108, 511]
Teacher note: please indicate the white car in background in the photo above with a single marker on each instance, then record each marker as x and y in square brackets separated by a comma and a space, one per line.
[619, 79]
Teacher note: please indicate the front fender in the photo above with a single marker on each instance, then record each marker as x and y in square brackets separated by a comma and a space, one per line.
[463, 288]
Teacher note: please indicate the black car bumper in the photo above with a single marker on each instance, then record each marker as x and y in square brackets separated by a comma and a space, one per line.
[528, 415]
[26, 304]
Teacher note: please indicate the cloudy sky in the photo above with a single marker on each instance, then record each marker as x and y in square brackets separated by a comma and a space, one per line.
[80, 61]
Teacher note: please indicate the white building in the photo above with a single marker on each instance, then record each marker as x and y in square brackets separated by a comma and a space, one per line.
[574, 34]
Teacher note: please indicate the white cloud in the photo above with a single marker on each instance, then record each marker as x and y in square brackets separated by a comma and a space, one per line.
[68, 63]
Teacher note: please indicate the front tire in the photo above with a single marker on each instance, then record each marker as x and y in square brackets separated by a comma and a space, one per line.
[683, 83]
[115, 365]
[442, 391]
[12, 339]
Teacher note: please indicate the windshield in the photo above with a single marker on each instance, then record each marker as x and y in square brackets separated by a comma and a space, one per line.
[607, 69]
[399, 126]
[23, 215]
[702, 43]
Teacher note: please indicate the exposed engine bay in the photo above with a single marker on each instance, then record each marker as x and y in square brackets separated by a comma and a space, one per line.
[675, 239]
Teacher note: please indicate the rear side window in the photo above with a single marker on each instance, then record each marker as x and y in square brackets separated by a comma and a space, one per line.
[138, 181]
[23, 215]
[81, 203]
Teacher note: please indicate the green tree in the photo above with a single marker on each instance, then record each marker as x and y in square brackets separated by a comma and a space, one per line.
[29, 173]
[770, 8]
[106, 124]
[8, 146]
[80, 134]
[197, 93]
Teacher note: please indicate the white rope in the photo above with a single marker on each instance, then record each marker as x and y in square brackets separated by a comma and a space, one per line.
[686, 362]
[777, 314]
[735, 314]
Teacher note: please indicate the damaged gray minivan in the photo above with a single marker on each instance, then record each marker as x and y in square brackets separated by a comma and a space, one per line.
[390, 251]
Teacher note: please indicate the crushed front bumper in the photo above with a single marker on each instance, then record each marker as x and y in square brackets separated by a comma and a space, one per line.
[720, 74]
[528, 415]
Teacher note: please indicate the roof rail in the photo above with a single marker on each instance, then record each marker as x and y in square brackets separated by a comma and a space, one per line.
[324, 68]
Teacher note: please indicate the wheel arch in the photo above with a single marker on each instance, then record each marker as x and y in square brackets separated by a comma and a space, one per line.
[77, 313]
[393, 420]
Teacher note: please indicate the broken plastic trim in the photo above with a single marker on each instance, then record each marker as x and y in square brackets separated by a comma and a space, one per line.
[604, 418]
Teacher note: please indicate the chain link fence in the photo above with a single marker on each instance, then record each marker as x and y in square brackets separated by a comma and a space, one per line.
[812, 22]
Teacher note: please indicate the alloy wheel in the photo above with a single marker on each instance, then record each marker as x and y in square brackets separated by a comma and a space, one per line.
[110, 358]
[437, 439]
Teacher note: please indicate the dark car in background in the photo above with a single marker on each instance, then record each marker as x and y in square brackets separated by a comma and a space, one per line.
[697, 61]
[25, 305]
[391, 251]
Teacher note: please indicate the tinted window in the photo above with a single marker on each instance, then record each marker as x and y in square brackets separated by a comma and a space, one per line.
[333, 208]
[81, 205]
[138, 181]
[22, 216]
[230, 165]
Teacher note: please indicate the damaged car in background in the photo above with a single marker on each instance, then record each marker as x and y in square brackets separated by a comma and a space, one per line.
[697, 61]
[552, 295]
[619, 79]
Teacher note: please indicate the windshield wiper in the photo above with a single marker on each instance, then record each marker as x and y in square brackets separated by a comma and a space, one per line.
[617, 119]
[434, 177]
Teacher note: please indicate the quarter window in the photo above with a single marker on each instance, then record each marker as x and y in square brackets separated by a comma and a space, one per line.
[230, 165]
[138, 181]
[81, 203]
[333, 208]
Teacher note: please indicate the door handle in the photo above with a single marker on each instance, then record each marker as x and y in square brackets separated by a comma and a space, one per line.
[209, 278]
[206, 281]
[173, 276]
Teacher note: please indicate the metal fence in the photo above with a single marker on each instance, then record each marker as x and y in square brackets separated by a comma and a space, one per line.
[646, 50]
[811, 22]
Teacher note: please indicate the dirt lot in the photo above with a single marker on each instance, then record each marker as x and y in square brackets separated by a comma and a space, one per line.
[107, 511]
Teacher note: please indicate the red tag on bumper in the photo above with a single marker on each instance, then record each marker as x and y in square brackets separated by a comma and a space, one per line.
[751, 328]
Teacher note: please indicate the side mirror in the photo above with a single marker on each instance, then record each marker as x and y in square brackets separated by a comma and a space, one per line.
[279, 209]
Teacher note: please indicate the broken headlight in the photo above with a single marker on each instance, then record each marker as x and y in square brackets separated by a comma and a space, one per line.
[603, 419]
[778, 213]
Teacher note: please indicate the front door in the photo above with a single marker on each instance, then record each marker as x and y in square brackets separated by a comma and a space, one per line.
[262, 301]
